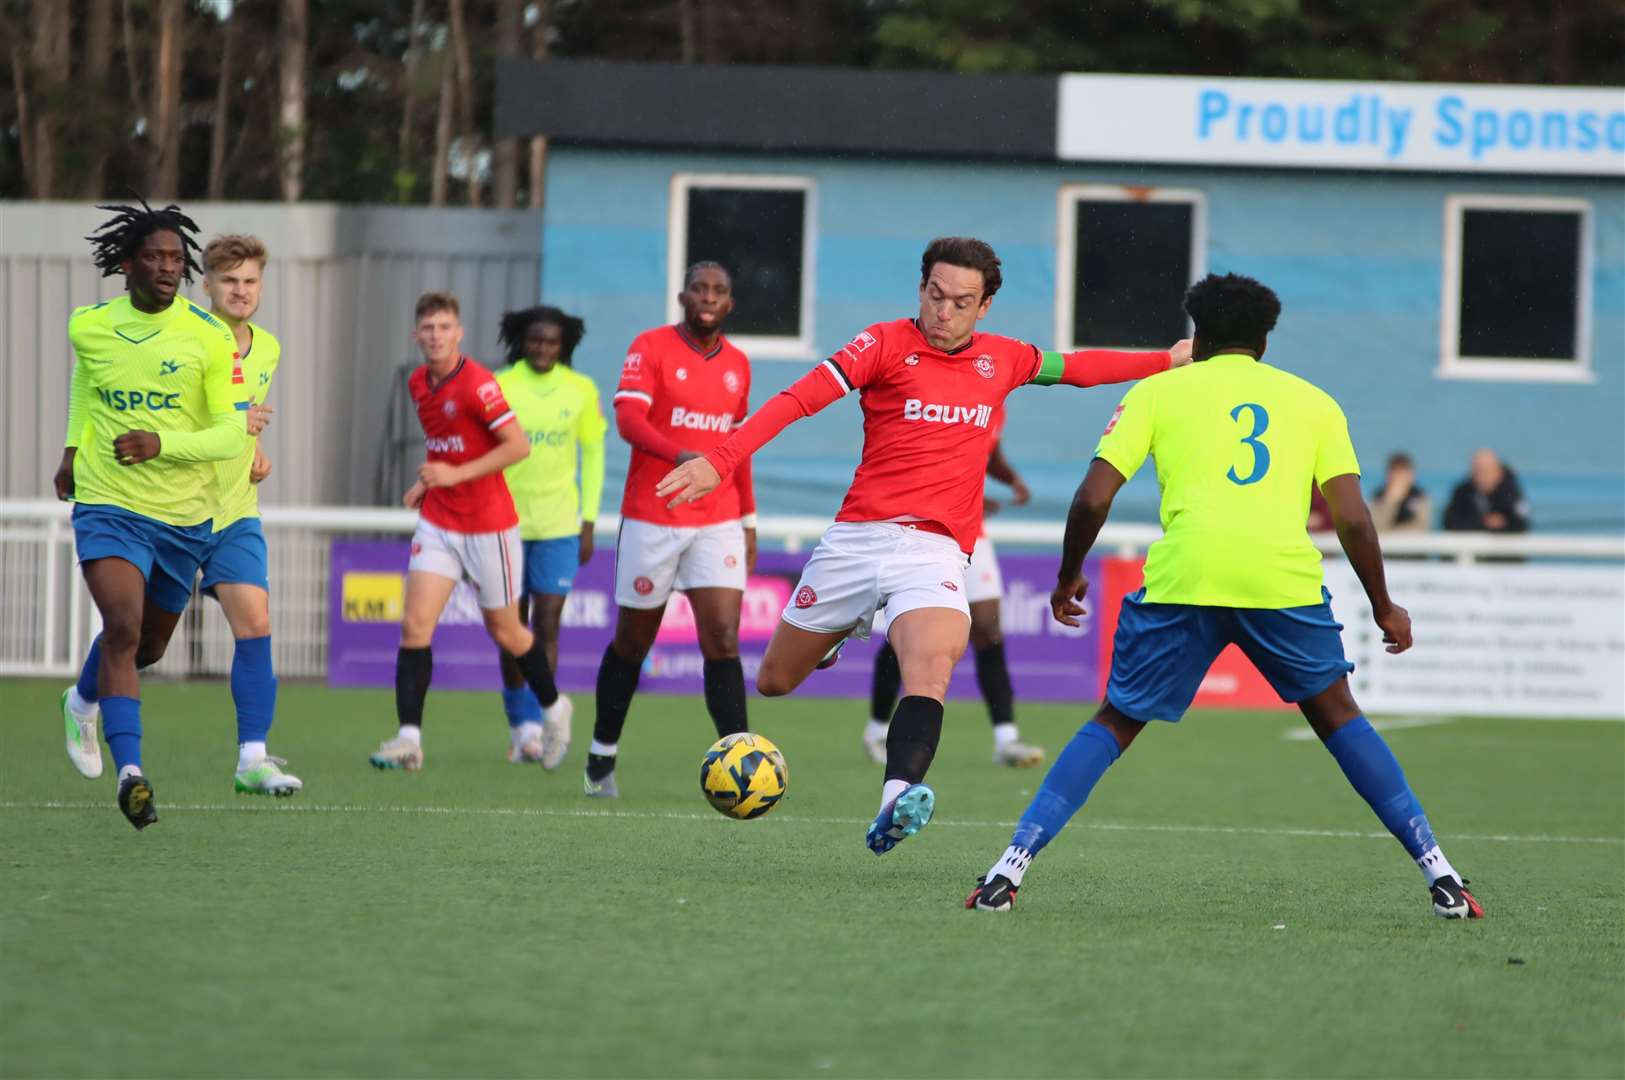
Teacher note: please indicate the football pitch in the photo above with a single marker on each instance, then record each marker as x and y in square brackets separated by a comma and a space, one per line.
[1225, 905]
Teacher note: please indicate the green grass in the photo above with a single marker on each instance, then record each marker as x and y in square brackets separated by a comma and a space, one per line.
[1221, 908]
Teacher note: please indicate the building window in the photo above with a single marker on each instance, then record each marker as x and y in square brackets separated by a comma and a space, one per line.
[1517, 289]
[761, 228]
[1126, 256]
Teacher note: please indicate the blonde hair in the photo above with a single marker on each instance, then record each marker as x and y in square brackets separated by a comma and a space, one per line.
[431, 302]
[232, 250]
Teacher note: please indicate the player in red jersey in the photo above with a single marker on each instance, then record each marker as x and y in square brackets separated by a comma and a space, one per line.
[929, 388]
[683, 390]
[467, 530]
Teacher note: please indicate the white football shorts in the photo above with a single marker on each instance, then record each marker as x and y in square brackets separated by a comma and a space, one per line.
[861, 569]
[983, 581]
[652, 561]
[492, 562]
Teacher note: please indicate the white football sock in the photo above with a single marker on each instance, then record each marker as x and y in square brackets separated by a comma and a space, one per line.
[412, 733]
[893, 788]
[603, 749]
[249, 754]
[129, 770]
[1434, 865]
[1012, 864]
[77, 705]
[1005, 734]
[876, 731]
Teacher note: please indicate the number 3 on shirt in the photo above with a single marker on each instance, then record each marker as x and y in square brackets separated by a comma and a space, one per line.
[1261, 453]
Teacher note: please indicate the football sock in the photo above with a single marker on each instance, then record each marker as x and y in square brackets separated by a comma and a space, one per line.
[250, 754]
[538, 674]
[253, 689]
[1005, 734]
[725, 695]
[87, 674]
[890, 790]
[1374, 772]
[888, 681]
[1066, 786]
[78, 705]
[121, 724]
[520, 705]
[876, 729]
[911, 741]
[1012, 864]
[412, 733]
[993, 679]
[617, 682]
[414, 668]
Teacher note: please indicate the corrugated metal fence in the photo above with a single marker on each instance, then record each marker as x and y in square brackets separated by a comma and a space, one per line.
[338, 294]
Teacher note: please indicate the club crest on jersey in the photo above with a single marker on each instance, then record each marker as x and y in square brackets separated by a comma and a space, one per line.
[731, 381]
[979, 415]
[984, 366]
[805, 597]
[450, 409]
[911, 359]
[1116, 415]
[682, 373]
[633, 364]
[168, 367]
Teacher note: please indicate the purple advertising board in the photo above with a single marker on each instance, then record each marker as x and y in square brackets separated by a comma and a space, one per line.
[1048, 661]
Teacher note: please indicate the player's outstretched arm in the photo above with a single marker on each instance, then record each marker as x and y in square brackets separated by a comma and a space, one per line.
[1097, 367]
[512, 446]
[1091, 504]
[1357, 533]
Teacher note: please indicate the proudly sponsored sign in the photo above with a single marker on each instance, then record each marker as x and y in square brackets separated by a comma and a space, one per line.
[1299, 123]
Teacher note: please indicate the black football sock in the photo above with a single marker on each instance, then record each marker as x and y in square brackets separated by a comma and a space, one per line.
[887, 682]
[725, 695]
[413, 670]
[993, 678]
[911, 742]
[617, 682]
[533, 665]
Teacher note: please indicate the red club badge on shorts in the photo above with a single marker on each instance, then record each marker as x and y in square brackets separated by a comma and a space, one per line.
[643, 586]
[984, 366]
[417, 548]
[950, 586]
[805, 597]
[730, 561]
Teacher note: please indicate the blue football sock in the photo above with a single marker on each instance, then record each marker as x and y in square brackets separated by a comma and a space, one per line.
[521, 706]
[253, 688]
[1067, 786]
[1375, 773]
[121, 724]
[87, 674]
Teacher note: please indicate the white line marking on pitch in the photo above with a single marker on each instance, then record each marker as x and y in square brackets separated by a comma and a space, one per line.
[656, 815]
[1306, 734]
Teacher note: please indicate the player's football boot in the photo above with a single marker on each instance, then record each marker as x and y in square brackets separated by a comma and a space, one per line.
[266, 777]
[135, 799]
[1018, 755]
[83, 749]
[902, 818]
[875, 746]
[600, 789]
[525, 745]
[398, 753]
[556, 732]
[995, 895]
[1451, 900]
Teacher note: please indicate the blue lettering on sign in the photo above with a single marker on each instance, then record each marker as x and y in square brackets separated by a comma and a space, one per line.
[131, 400]
[1380, 122]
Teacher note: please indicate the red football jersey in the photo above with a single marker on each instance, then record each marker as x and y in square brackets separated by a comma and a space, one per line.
[696, 399]
[928, 422]
[460, 415]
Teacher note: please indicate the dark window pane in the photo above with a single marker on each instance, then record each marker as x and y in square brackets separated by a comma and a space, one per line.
[1520, 273]
[1130, 271]
[757, 235]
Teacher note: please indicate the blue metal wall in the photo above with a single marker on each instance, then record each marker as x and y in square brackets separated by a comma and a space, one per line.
[1356, 259]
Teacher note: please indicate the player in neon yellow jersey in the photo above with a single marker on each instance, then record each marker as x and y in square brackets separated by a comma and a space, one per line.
[153, 406]
[559, 410]
[1238, 445]
[236, 565]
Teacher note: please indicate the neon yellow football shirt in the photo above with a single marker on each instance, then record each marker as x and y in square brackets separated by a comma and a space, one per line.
[238, 497]
[172, 373]
[560, 412]
[1238, 444]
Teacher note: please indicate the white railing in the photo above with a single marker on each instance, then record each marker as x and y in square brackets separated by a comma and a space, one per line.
[47, 620]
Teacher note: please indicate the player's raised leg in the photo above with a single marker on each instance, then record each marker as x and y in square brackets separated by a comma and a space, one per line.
[118, 590]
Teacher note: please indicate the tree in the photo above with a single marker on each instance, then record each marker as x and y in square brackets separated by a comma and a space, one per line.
[164, 116]
[292, 34]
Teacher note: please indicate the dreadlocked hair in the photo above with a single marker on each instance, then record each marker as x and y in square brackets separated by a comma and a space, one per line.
[515, 324]
[116, 242]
